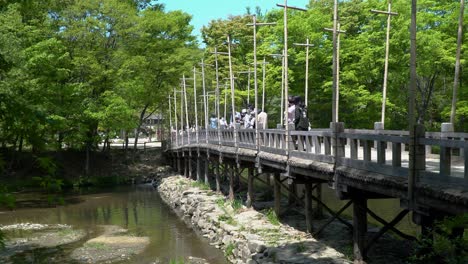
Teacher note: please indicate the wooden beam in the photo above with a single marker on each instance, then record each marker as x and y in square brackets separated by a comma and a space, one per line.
[382, 221]
[359, 229]
[308, 207]
[250, 179]
[277, 193]
[334, 216]
[387, 227]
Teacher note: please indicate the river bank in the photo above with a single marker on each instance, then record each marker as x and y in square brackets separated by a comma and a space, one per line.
[245, 235]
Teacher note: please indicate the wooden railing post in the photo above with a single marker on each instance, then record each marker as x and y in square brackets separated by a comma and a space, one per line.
[381, 145]
[338, 147]
[445, 153]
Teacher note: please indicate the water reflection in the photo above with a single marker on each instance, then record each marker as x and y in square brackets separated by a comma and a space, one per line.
[138, 209]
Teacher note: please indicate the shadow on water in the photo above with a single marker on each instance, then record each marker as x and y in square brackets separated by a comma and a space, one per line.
[138, 209]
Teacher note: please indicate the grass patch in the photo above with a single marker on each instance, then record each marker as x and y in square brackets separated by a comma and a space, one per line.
[99, 246]
[228, 219]
[200, 185]
[271, 216]
[65, 232]
[177, 261]
[229, 250]
[236, 205]
[221, 202]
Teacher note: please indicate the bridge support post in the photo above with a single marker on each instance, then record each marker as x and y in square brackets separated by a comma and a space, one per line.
[186, 167]
[308, 207]
[250, 179]
[178, 165]
[198, 169]
[277, 193]
[217, 177]
[206, 171]
[190, 167]
[359, 229]
[319, 209]
[231, 182]
[292, 194]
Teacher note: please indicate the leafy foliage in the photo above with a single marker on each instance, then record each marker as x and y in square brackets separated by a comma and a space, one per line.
[442, 246]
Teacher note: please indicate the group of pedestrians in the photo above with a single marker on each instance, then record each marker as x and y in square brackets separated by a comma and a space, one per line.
[244, 120]
[297, 117]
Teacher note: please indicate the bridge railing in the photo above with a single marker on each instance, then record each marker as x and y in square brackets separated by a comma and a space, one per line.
[380, 151]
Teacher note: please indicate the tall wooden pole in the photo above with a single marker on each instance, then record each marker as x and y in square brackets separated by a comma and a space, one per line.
[248, 83]
[231, 77]
[389, 14]
[205, 99]
[286, 94]
[411, 107]
[175, 117]
[457, 63]
[170, 118]
[186, 108]
[335, 94]
[283, 102]
[263, 84]
[306, 86]
[195, 102]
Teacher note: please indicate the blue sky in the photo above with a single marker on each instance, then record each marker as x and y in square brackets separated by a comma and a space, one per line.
[203, 11]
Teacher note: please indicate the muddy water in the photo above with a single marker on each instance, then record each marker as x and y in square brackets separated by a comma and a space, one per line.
[138, 209]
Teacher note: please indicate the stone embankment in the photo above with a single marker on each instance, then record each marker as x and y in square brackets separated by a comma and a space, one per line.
[245, 235]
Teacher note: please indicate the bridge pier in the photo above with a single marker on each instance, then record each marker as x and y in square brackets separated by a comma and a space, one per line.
[308, 207]
[206, 165]
[217, 176]
[250, 180]
[231, 182]
[190, 172]
[318, 213]
[359, 228]
[277, 193]
[198, 172]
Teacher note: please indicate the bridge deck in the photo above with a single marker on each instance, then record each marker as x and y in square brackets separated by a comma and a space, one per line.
[372, 161]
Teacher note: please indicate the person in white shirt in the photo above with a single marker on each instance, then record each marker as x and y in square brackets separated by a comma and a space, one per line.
[291, 110]
[262, 120]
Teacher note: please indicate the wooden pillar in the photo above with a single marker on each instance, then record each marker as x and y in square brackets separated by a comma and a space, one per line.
[190, 167]
[396, 154]
[179, 166]
[277, 193]
[231, 183]
[292, 194]
[359, 229]
[237, 181]
[250, 180]
[186, 167]
[198, 169]
[319, 210]
[308, 207]
[217, 176]
[206, 171]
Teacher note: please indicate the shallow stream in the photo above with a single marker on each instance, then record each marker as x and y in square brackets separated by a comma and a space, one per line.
[138, 209]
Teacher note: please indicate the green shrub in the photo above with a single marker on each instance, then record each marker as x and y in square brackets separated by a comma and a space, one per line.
[7, 199]
[271, 216]
[200, 185]
[236, 205]
[444, 247]
[229, 250]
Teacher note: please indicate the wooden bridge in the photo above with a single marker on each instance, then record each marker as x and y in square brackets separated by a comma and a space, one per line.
[358, 164]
